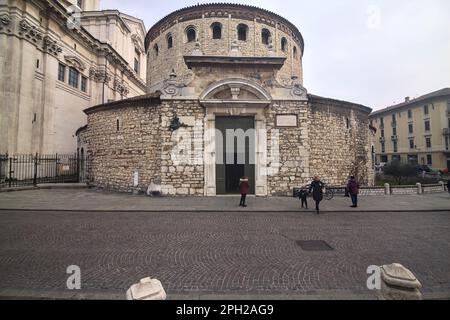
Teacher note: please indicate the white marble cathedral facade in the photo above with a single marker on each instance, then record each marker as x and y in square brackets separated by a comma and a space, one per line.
[52, 70]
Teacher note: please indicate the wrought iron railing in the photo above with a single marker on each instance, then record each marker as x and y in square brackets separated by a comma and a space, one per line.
[28, 170]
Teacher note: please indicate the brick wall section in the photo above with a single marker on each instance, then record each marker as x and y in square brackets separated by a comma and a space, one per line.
[338, 151]
[182, 174]
[293, 146]
[117, 154]
[160, 65]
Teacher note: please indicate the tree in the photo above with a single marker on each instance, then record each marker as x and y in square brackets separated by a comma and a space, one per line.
[399, 171]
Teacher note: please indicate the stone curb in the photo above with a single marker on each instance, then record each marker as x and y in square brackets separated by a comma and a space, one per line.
[46, 187]
[219, 211]
[117, 295]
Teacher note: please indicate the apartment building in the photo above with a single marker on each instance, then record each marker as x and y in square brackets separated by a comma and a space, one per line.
[415, 131]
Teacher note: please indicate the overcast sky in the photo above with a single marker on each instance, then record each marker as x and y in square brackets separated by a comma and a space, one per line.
[373, 52]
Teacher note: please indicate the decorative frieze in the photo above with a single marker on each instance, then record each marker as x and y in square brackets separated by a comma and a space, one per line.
[99, 74]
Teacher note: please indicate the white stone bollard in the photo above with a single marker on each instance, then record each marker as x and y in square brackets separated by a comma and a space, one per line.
[146, 289]
[442, 185]
[398, 283]
[387, 189]
[419, 188]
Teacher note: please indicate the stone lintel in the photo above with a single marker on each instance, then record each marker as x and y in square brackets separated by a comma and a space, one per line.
[208, 61]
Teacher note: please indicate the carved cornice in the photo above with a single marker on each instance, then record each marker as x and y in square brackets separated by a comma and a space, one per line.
[121, 87]
[75, 62]
[24, 29]
[137, 41]
[99, 74]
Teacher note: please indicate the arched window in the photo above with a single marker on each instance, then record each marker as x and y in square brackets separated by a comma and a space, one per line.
[156, 49]
[169, 41]
[265, 36]
[191, 34]
[242, 31]
[294, 52]
[283, 44]
[216, 29]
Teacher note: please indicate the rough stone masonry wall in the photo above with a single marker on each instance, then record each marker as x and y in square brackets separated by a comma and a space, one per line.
[161, 63]
[338, 151]
[182, 167]
[117, 154]
[293, 148]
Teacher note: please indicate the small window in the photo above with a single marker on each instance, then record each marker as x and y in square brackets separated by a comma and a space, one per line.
[37, 64]
[410, 128]
[426, 110]
[394, 131]
[191, 35]
[429, 160]
[394, 119]
[136, 65]
[294, 52]
[156, 49]
[411, 144]
[169, 41]
[61, 72]
[242, 30]
[427, 126]
[216, 29]
[137, 60]
[283, 44]
[409, 114]
[73, 77]
[428, 142]
[265, 36]
[382, 133]
[83, 84]
[347, 123]
[382, 121]
[117, 125]
[395, 146]
[383, 148]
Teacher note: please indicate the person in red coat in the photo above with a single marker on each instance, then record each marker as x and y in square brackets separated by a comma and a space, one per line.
[243, 189]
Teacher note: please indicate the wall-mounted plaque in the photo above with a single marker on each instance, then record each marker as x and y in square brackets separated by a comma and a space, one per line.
[286, 120]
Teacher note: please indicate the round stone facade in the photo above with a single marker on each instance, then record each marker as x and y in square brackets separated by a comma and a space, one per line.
[221, 69]
[221, 30]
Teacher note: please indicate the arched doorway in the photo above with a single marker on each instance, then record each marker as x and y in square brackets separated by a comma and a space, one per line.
[235, 140]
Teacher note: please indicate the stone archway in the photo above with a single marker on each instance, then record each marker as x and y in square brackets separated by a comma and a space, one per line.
[239, 98]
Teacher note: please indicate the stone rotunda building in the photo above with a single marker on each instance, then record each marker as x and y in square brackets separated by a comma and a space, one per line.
[218, 74]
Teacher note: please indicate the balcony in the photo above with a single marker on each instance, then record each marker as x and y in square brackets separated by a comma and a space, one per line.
[394, 138]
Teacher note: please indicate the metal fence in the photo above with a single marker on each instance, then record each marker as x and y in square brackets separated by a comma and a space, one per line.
[28, 170]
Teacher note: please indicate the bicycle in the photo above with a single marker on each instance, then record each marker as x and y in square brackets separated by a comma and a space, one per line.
[328, 192]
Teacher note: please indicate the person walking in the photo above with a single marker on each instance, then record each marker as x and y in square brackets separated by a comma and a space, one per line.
[243, 189]
[448, 185]
[303, 194]
[317, 191]
[353, 189]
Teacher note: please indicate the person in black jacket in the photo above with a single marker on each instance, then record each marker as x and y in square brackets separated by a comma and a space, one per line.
[317, 191]
[303, 194]
[448, 185]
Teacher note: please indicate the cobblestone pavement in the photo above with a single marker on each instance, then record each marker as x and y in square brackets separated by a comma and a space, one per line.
[221, 253]
[86, 199]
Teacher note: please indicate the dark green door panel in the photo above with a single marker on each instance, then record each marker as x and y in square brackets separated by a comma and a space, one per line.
[231, 170]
